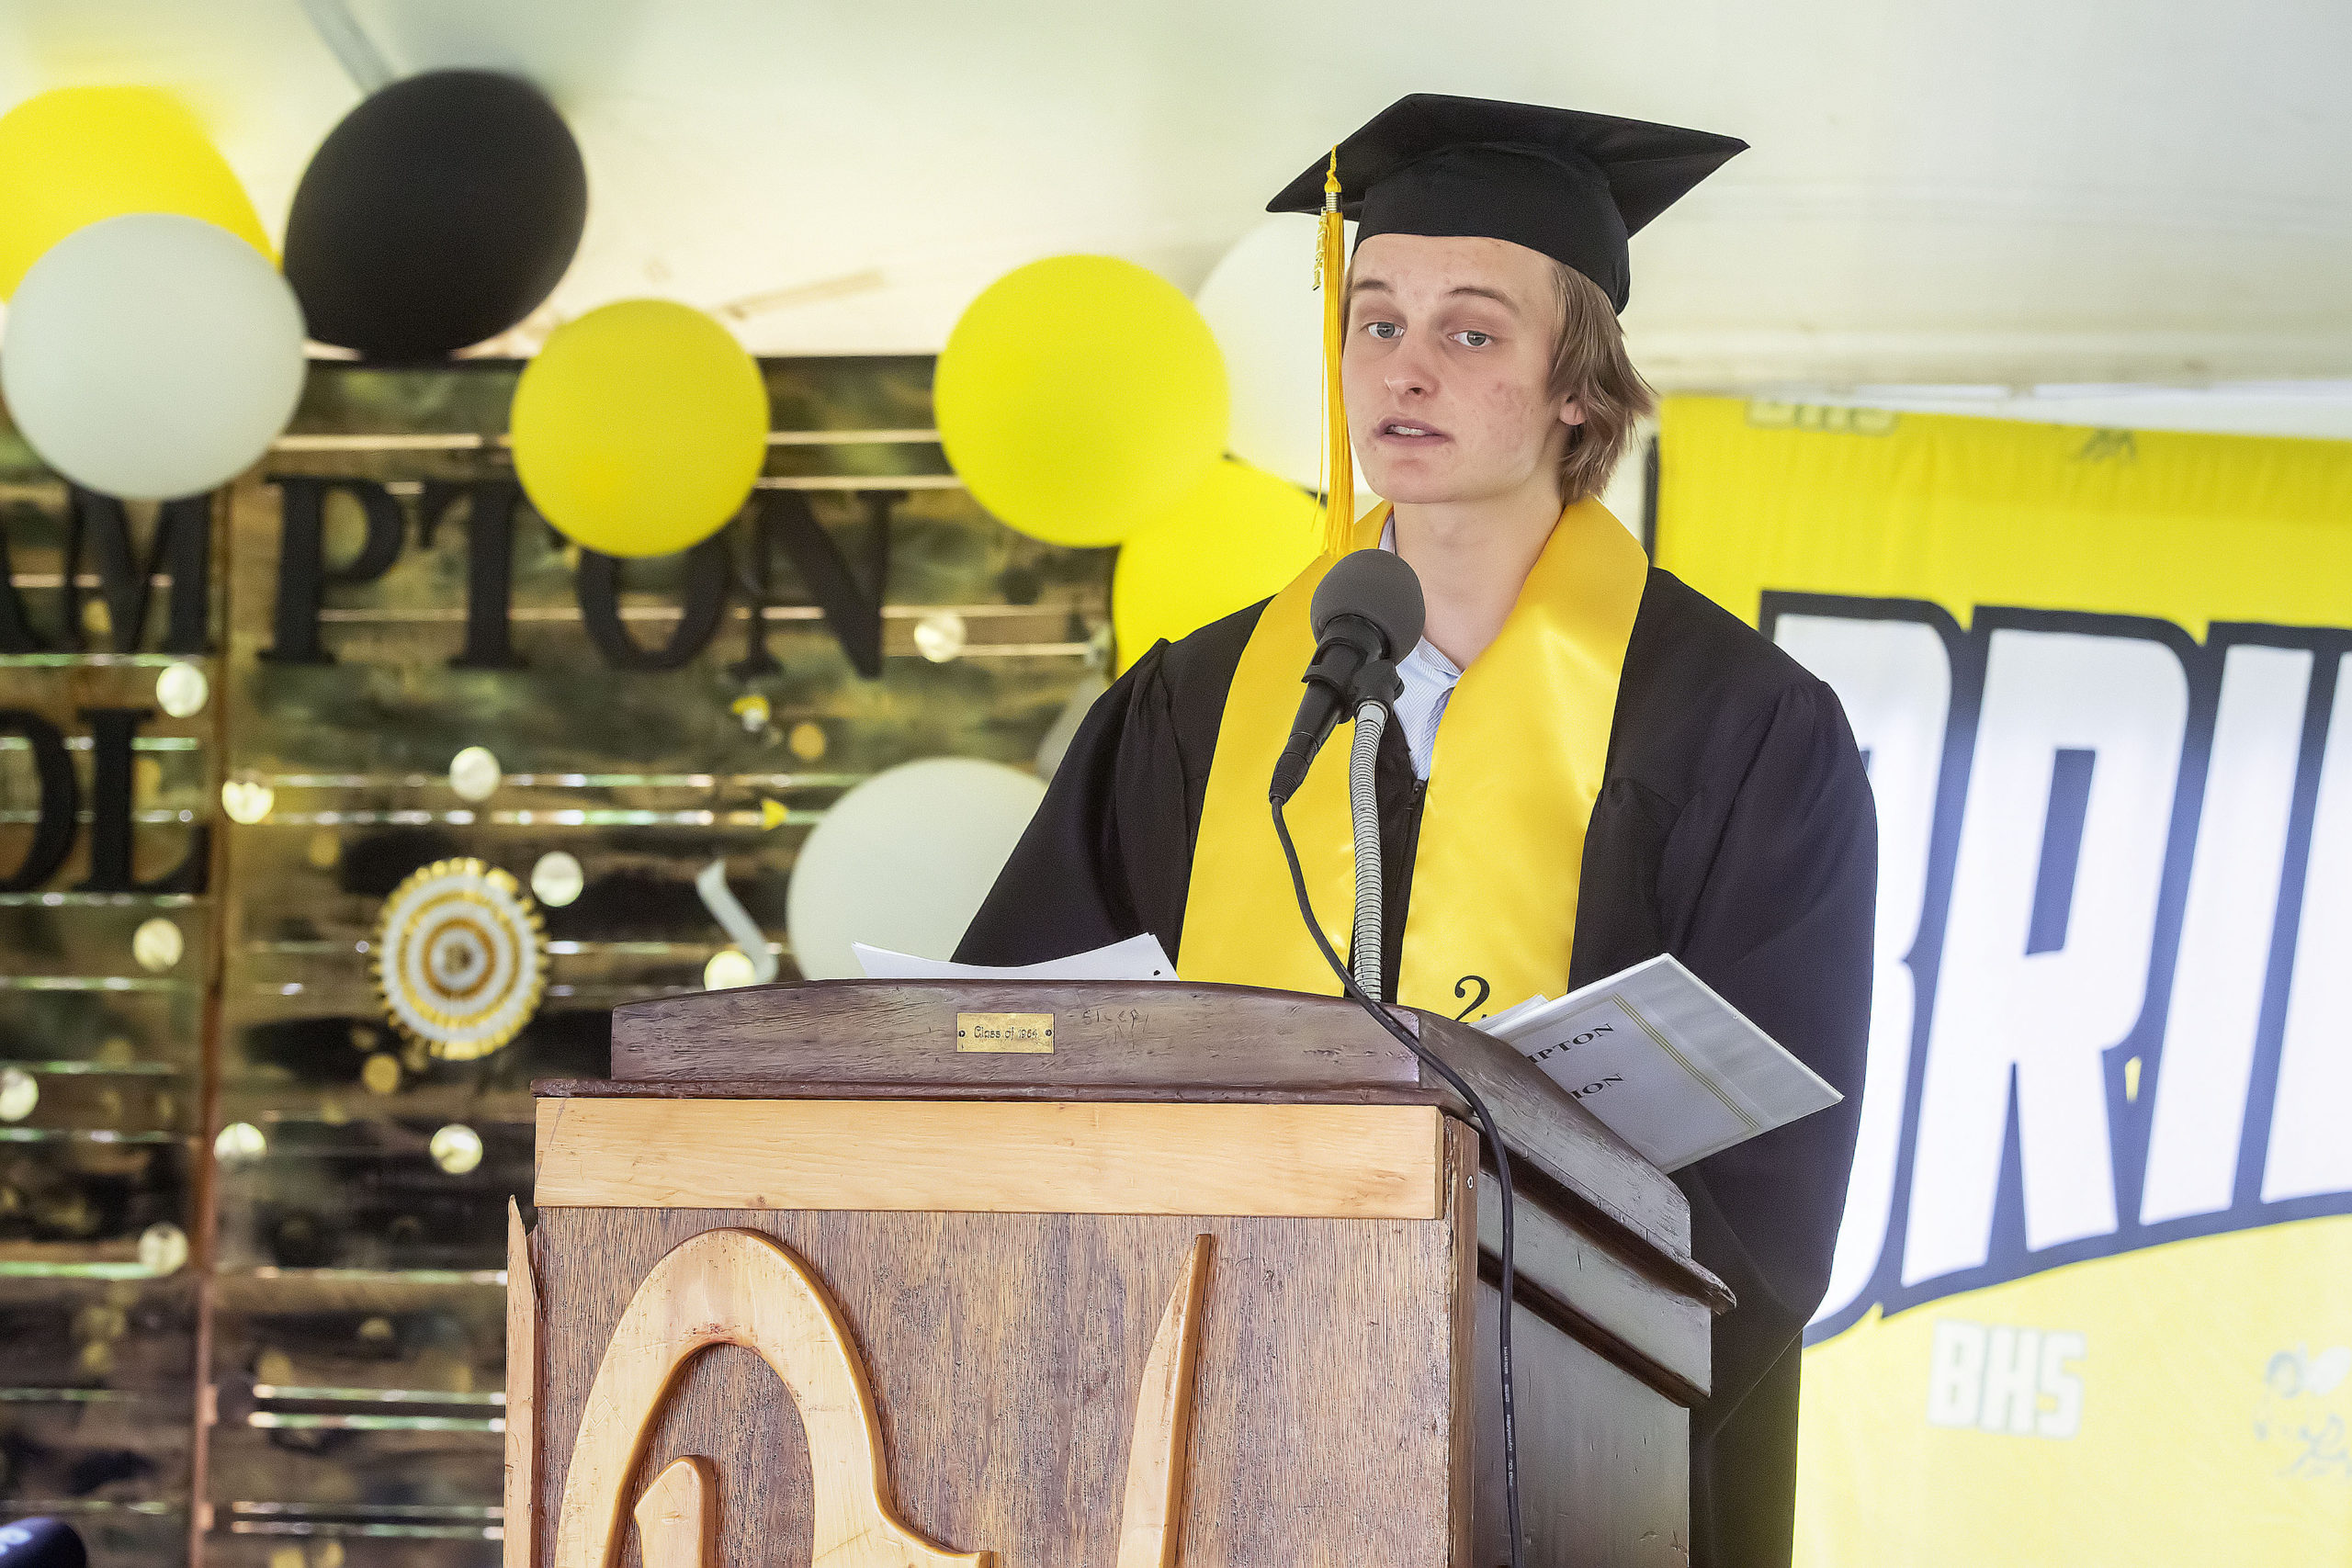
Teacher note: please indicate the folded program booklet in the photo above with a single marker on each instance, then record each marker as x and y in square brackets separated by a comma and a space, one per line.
[1668, 1065]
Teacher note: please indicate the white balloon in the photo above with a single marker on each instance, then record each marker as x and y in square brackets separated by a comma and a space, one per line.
[904, 860]
[1261, 304]
[152, 356]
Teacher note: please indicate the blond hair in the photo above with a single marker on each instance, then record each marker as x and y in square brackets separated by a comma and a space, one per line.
[1590, 365]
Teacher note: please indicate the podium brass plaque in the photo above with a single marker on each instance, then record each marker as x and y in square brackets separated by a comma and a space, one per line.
[1031, 1034]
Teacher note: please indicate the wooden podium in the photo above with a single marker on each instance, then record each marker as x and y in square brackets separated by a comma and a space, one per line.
[1029, 1273]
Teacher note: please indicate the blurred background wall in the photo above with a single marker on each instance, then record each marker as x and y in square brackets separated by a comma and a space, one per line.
[343, 1357]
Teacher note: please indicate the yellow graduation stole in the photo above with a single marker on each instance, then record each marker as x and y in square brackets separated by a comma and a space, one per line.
[1517, 766]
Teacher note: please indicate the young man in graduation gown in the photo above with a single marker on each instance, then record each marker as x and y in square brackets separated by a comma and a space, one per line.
[1592, 765]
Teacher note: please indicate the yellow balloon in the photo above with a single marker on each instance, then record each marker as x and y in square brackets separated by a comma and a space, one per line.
[1240, 535]
[1079, 397]
[640, 428]
[71, 157]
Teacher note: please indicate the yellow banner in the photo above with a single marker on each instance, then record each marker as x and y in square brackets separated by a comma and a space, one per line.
[2090, 1301]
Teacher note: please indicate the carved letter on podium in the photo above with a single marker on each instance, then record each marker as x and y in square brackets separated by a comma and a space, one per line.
[1155, 1502]
[738, 1287]
[733, 1287]
[677, 1519]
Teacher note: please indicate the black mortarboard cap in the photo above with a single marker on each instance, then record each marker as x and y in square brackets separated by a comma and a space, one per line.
[1572, 186]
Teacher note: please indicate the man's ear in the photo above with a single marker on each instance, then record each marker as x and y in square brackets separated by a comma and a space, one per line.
[1571, 411]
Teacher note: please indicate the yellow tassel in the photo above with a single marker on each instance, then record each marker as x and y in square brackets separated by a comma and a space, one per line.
[1339, 460]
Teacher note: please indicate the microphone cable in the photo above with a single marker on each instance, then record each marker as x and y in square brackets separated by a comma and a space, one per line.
[1494, 1142]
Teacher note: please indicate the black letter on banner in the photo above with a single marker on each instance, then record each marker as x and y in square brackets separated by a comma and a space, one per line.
[598, 585]
[303, 571]
[61, 800]
[16, 634]
[853, 614]
[490, 566]
[111, 730]
[182, 548]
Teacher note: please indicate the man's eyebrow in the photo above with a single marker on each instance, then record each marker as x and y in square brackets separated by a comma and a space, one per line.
[1365, 285]
[1497, 295]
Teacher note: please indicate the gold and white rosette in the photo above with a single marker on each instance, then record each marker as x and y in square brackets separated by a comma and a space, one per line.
[462, 958]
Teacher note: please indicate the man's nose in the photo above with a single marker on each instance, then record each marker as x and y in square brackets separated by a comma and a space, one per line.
[1408, 370]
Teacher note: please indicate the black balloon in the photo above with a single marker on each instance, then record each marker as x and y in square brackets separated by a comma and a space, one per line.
[440, 212]
[41, 1543]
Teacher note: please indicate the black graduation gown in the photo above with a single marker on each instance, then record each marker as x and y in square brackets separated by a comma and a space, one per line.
[1735, 830]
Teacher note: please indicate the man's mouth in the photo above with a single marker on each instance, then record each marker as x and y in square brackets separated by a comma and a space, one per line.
[1408, 430]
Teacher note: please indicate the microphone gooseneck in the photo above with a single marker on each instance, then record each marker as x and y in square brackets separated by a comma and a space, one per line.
[1367, 614]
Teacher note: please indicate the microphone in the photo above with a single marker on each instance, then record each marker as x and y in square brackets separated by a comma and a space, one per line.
[1366, 614]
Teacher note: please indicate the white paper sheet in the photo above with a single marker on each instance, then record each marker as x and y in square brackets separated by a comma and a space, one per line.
[1670, 1067]
[1138, 958]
